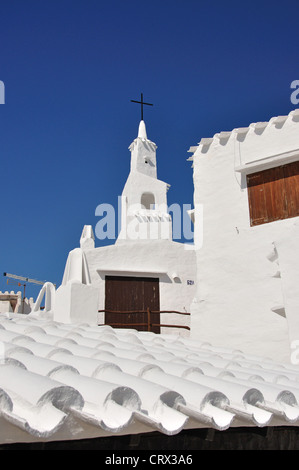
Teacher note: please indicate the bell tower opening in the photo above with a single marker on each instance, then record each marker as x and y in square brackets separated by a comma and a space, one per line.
[148, 201]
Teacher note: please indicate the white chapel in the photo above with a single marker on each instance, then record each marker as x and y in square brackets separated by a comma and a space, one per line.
[237, 287]
[144, 269]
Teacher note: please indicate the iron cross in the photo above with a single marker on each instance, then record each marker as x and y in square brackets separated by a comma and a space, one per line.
[142, 103]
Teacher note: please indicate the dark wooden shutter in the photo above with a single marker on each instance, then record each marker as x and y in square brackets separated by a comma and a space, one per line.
[273, 194]
[257, 200]
[291, 176]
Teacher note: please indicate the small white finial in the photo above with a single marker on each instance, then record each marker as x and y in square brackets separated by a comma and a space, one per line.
[142, 130]
[87, 239]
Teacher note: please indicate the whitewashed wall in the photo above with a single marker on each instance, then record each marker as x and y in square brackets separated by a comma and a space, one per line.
[239, 280]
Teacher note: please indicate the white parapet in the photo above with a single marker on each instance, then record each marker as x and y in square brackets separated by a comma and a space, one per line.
[76, 300]
[76, 303]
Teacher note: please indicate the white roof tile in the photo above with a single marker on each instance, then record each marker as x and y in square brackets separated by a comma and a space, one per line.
[61, 382]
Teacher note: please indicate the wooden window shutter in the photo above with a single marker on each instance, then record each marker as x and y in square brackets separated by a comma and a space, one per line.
[291, 176]
[273, 194]
[257, 201]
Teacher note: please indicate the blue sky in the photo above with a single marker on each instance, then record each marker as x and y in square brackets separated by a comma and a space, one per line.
[70, 69]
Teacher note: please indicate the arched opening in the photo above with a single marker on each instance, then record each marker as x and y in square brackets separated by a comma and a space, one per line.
[148, 201]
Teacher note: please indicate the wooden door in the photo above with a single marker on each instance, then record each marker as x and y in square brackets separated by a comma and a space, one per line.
[132, 294]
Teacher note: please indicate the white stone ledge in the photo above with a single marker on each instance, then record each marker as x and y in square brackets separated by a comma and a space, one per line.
[268, 162]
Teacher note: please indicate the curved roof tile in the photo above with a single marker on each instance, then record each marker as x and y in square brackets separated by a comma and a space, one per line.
[62, 381]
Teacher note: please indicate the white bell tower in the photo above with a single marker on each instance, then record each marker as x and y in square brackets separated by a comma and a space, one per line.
[143, 153]
[144, 198]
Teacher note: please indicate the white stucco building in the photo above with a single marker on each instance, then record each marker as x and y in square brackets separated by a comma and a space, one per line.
[144, 269]
[240, 282]
[67, 382]
[14, 302]
[246, 183]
